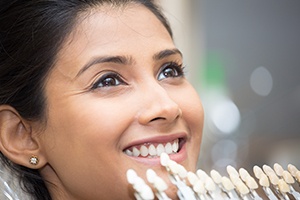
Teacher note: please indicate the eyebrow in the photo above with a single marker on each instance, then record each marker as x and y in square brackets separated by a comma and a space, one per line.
[125, 60]
[105, 59]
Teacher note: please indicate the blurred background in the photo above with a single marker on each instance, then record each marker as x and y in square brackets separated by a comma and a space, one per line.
[243, 58]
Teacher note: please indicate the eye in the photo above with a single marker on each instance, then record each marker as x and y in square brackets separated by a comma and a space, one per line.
[170, 70]
[108, 80]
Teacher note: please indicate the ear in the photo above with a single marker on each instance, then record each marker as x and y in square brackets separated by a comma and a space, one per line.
[17, 140]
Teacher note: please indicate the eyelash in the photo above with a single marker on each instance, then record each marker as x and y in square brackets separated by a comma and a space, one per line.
[112, 79]
[103, 81]
[173, 66]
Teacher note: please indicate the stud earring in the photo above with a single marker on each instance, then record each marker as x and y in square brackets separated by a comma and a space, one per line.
[34, 160]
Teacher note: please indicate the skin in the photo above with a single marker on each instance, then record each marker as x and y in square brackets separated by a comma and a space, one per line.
[88, 127]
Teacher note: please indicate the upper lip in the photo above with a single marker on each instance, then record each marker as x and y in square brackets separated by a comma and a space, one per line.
[156, 139]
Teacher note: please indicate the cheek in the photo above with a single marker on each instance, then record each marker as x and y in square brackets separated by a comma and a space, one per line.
[79, 134]
[193, 116]
[77, 127]
[192, 109]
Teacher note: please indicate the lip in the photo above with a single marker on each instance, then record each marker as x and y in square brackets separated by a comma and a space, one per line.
[178, 157]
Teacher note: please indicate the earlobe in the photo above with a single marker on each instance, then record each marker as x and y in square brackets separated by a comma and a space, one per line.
[16, 138]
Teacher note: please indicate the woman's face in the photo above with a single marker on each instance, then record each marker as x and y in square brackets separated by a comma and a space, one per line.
[117, 87]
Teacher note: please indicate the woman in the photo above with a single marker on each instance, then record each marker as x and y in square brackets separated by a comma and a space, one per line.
[89, 89]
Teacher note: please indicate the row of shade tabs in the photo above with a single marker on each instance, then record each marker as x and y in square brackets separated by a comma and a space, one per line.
[269, 183]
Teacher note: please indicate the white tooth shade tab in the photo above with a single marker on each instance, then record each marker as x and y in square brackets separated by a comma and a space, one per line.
[156, 181]
[287, 177]
[164, 159]
[173, 166]
[192, 177]
[152, 150]
[216, 176]
[251, 183]
[199, 187]
[264, 181]
[243, 174]
[292, 169]
[278, 169]
[182, 172]
[143, 190]
[131, 176]
[268, 170]
[227, 184]
[257, 171]
[232, 171]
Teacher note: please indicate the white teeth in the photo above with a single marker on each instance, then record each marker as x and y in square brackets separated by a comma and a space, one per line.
[175, 146]
[135, 152]
[168, 148]
[128, 152]
[144, 150]
[159, 149]
[153, 151]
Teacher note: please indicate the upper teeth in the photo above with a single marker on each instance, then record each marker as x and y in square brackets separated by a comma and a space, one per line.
[151, 150]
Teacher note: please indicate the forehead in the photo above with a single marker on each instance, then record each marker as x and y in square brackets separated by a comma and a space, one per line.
[110, 30]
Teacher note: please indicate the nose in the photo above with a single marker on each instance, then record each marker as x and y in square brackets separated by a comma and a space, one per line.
[158, 107]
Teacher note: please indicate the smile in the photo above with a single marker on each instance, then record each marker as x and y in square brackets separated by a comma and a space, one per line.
[152, 150]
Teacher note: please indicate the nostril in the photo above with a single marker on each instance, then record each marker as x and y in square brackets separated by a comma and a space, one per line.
[161, 112]
[157, 118]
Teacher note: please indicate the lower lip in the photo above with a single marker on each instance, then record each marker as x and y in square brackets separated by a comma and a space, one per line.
[178, 157]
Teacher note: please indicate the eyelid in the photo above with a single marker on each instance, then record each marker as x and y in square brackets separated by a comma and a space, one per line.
[95, 84]
[173, 64]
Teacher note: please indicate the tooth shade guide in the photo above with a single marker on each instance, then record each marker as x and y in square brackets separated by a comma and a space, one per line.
[173, 166]
[243, 174]
[287, 177]
[251, 183]
[235, 179]
[164, 159]
[157, 182]
[209, 184]
[131, 176]
[201, 174]
[241, 185]
[227, 184]
[294, 172]
[257, 171]
[216, 176]
[242, 188]
[150, 174]
[273, 178]
[199, 187]
[298, 176]
[264, 181]
[268, 170]
[292, 169]
[182, 173]
[232, 171]
[278, 169]
[283, 186]
[142, 190]
[192, 178]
